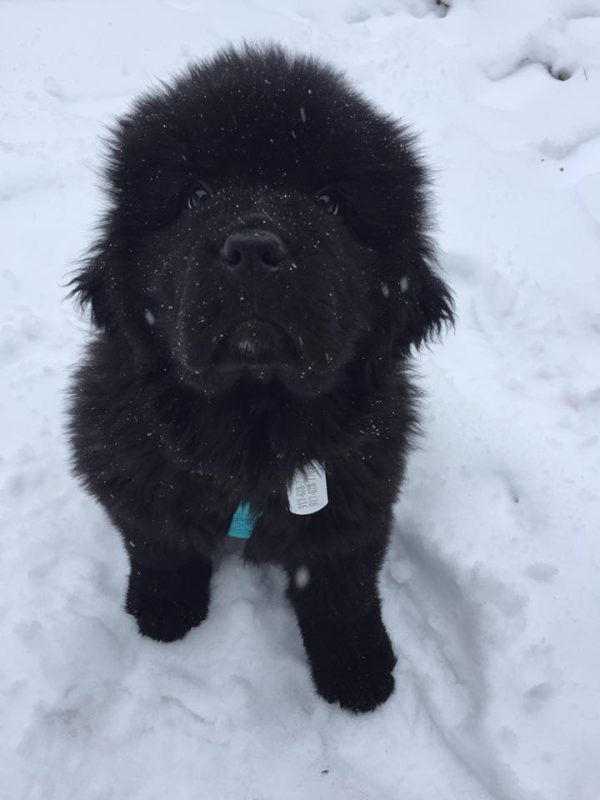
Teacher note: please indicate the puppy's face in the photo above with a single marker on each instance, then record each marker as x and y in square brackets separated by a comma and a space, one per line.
[266, 224]
[257, 279]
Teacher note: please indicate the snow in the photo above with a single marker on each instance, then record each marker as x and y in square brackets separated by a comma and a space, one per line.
[491, 590]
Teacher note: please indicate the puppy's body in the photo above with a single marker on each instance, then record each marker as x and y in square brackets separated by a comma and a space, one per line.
[244, 333]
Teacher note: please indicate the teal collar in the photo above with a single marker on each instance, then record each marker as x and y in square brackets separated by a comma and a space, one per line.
[243, 522]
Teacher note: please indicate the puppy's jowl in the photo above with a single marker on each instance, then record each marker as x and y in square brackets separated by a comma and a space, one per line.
[260, 277]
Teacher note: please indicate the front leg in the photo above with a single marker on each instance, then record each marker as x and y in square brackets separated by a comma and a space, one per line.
[169, 541]
[338, 609]
[170, 599]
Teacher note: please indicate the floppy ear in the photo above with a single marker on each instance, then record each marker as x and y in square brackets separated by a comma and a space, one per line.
[424, 304]
[91, 286]
[414, 307]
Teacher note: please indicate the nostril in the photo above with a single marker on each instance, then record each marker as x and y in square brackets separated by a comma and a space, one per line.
[232, 257]
[231, 251]
[270, 257]
[273, 250]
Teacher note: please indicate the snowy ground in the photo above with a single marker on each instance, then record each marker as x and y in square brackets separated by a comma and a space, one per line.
[492, 586]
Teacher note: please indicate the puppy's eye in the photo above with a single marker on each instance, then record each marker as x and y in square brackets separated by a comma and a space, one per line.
[197, 195]
[328, 201]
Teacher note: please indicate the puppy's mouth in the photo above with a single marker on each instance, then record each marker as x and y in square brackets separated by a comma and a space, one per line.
[255, 343]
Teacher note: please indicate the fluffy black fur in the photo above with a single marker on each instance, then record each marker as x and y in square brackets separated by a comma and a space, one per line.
[260, 276]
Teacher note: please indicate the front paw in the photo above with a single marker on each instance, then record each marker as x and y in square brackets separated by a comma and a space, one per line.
[162, 618]
[164, 608]
[351, 664]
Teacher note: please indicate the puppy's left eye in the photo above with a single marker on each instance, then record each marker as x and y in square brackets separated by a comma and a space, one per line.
[328, 201]
[197, 195]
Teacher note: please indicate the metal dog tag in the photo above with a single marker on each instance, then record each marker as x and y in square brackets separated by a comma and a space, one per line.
[308, 490]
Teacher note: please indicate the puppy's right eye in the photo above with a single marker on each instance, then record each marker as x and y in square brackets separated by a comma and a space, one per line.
[197, 195]
[329, 202]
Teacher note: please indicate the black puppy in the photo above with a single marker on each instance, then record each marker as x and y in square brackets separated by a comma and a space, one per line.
[260, 276]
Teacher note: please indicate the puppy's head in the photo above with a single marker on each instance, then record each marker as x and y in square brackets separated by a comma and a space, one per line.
[265, 223]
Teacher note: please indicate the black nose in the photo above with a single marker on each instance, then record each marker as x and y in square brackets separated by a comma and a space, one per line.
[252, 249]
